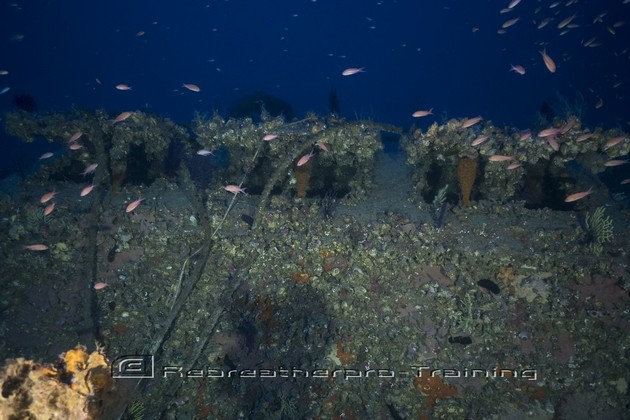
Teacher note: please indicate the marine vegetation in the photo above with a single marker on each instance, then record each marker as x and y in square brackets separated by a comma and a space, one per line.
[136, 410]
[36, 218]
[439, 206]
[599, 230]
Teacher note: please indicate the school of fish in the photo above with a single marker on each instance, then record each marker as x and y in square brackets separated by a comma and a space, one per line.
[550, 136]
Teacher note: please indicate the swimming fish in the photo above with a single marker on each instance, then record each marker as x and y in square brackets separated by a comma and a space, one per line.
[191, 87]
[479, 140]
[234, 189]
[132, 206]
[422, 113]
[500, 158]
[549, 132]
[509, 23]
[470, 122]
[47, 197]
[85, 191]
[577, 196]
[551, 65]
[36, 247]
[122, 117]
[49, 208]
[352, 70]
[76, 136]
[305, 159]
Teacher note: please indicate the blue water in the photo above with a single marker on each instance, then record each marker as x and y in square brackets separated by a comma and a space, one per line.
[445, 55]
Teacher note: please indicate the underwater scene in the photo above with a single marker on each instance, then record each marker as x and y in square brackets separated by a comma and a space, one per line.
[315, 209]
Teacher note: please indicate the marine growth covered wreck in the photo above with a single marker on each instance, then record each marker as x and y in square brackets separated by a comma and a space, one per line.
[313, 293]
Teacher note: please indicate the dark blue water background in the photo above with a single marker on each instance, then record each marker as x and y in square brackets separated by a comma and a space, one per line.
[417, 55]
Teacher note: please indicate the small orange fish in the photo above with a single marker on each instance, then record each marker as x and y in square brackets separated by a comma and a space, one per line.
[36, 247]
[569, 125]
[553, 143]
[549, 63]
[191, 87]
[549, 132]
[613, 142]
[509, 23]
[46, 155]
[479, 140]
[500, 158]
[352, 70]
[625, 181]
[422, 113]
[323, 147]
[75, 146]
[543, 23]
[47, 197]
[269, 137]
[305, 159]
[132, 206]
[89, 169]
[518, 69]
[85, 191]
[100, 285]
[578, 195]
[123, 86]
[49, 208]
[584, 137]
[471, 121]
[514, 165]
[566, 21]
[525, 135]
[76, 136]
[235, 189]
[616, 162]
[122, 116]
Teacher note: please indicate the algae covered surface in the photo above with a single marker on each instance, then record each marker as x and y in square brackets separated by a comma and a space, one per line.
[364, 286]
